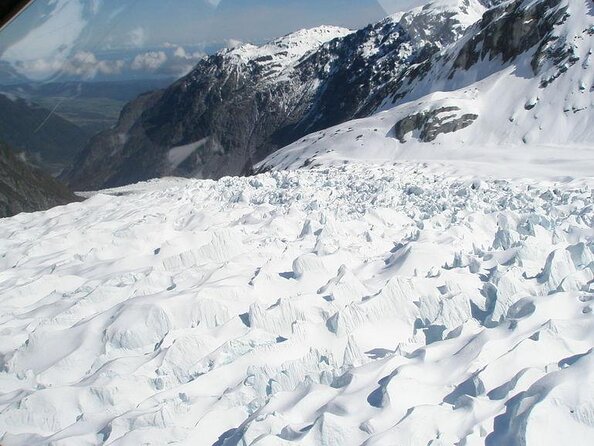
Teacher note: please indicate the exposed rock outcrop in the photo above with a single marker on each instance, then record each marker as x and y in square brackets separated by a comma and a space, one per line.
[24, 188]
[428, 124]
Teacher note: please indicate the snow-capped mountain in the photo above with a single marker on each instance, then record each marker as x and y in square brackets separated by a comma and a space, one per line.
[518, 85]
[238, 106]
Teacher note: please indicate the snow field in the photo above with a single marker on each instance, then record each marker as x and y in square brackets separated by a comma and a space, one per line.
[352, 305]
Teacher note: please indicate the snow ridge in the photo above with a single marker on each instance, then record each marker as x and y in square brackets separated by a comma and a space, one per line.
[282, 53]
[297, 43]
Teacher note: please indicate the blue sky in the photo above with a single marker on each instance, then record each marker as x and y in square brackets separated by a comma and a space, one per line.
[123, 38]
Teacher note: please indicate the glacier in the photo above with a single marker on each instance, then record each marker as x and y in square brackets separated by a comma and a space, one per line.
[355, 304]
[422, 275]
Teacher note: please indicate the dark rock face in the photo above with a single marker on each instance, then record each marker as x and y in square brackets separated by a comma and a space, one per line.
[47, 139]
[357, 81]
[510, 30]
[244, 110]
[431, 123]
[505, 31]
[26, 189]
[106, 159]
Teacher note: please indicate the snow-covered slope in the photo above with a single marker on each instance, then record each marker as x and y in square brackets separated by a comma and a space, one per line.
[517, 87]
[342, 306]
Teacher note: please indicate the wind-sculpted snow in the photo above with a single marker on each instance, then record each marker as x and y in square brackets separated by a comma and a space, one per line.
[353, 305]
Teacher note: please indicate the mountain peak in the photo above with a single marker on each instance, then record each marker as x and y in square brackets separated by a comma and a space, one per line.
[288, 48]
[467, 12]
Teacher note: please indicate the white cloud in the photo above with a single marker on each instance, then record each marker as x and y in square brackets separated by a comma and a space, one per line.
[149, 61]
[177, 61]
[38, 68]
[83, 64]
[233, 43]
[181, 53]
[182, 61]
[86, 64]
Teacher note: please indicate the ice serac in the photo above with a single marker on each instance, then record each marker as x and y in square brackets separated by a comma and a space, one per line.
[239, 105]
[350, 305]
[517, 86]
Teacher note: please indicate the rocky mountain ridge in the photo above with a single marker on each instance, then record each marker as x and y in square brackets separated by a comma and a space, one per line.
[238, 106]
[518, 87]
